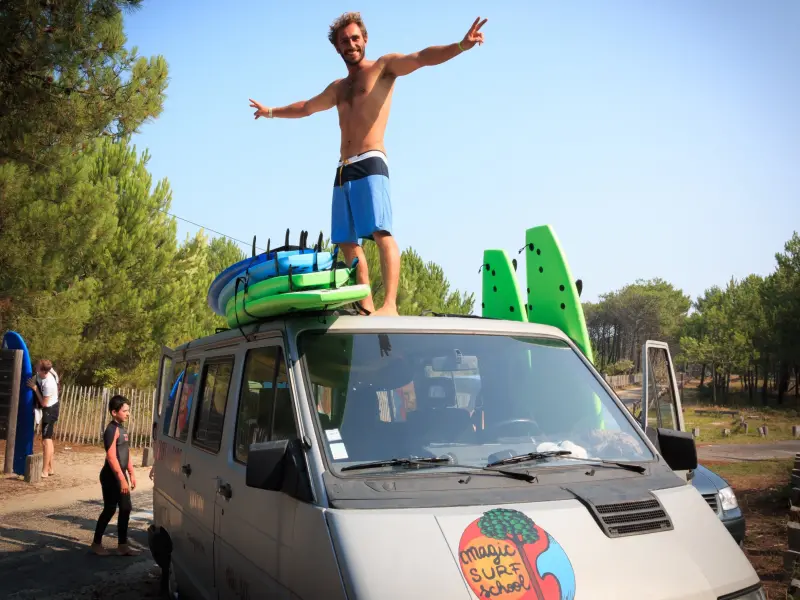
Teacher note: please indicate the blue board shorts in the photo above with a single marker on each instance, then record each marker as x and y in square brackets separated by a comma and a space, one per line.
[361, 204]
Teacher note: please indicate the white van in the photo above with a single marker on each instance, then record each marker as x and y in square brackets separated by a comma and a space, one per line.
[334, 456]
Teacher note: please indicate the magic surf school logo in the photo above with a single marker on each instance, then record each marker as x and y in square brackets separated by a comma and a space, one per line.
[504, 554]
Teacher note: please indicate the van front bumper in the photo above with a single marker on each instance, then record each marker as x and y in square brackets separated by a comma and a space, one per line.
[736, 526]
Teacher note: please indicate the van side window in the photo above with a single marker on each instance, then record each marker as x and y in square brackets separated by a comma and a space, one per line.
[264, 385]
[211, 408]
[166, 382]
[172, 390]
[283, 426]
[185, 400]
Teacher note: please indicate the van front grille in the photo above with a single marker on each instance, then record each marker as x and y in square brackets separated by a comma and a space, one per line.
[713, 501]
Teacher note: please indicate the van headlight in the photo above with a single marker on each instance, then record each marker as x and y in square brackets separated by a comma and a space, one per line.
[727, 500]
[753, 594]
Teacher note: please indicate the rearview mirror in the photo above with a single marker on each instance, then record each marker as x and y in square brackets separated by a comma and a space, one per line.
[265, 465]
[678, 449]
[279, 466]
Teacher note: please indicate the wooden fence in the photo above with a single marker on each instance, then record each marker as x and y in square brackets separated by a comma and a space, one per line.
[618, 381]
[83, 415]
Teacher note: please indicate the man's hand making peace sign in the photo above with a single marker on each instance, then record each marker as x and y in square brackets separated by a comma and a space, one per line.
[474, 35]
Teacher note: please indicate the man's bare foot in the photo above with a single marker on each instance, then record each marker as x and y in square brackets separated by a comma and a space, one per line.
[125, 550]
[45, 474]
[386, 310]
[99, 550]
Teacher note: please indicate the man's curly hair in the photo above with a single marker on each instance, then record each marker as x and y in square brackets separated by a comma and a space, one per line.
[342, 22]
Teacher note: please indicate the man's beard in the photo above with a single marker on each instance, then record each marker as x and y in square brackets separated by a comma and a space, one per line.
[353, 60]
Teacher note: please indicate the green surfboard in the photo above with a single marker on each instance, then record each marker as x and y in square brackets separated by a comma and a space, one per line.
[553, 296]
[501, 294]
[321, 299]
[282, 285]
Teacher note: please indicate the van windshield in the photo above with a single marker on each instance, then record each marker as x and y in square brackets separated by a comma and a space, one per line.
[474, 398]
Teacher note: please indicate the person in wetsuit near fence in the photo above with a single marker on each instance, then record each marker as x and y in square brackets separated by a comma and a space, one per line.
[114, 478]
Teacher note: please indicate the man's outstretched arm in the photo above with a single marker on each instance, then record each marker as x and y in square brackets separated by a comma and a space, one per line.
[322, 101]
[404, 64]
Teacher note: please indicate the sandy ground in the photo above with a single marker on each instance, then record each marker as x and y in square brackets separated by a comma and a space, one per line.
[76, 477]
[46, 529]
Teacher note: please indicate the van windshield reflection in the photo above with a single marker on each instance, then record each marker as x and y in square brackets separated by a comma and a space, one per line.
[474, 399]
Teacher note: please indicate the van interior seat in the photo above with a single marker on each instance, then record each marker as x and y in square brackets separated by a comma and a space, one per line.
[365, 436]
[438, 417]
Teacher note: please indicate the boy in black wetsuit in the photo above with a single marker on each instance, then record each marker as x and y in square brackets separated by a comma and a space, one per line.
[114, 478]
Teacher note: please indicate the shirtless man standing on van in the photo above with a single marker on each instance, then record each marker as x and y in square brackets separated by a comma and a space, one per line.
[361, 207]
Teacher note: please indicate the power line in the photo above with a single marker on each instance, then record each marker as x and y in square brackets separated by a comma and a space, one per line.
[248, 245]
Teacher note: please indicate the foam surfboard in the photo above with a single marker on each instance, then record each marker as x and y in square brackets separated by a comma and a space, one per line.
[285, 284]
[296, 301]
[25, 422]
[553, 296]
[278, 265]
[501, 294]
[236, 269]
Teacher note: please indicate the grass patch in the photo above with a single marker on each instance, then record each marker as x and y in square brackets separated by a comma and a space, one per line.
[747, 474]
[778, 419]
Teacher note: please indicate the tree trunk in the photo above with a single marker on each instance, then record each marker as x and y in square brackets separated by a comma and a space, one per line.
[713, 382]
[537, 589]
[764, 398]
[797, 381]
[751, 382]
[783, 381]
[702, 375]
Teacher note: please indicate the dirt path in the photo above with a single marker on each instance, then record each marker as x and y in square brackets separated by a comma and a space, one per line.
[44, 553]
[748, 452]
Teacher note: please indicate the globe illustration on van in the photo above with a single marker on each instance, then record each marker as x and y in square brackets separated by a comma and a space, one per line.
[504, 554]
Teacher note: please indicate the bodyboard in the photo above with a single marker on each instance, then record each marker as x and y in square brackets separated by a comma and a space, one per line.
[296, 301]
[501, 294]
[283, 285]
[300, 263]
[553, 297]
[23, 445]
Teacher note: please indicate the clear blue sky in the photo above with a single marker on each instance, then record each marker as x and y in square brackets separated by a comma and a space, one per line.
[660, 139]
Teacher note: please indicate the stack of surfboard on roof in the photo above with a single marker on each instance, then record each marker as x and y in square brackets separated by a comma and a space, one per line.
[284, 280]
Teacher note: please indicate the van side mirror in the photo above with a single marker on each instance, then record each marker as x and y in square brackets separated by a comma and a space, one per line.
[279, 466]
[678, 449]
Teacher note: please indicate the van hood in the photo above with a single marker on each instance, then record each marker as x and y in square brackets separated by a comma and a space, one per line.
[554, 550]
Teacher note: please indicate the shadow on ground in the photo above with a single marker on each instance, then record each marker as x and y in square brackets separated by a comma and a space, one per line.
[51, 555]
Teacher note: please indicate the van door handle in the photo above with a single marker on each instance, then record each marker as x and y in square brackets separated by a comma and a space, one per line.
[224, 489]
[187, 469]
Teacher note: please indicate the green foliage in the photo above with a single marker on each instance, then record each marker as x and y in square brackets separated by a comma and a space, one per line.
[620, 367]
[623, 320]
[505, 524]
[66, 78]
[751, 328]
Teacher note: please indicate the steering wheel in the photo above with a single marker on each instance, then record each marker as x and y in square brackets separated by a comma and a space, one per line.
[500, 424]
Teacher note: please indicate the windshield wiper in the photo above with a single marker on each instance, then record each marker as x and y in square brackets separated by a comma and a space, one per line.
[435, 461]
[563, 454]
[391, 462]
[528, 456]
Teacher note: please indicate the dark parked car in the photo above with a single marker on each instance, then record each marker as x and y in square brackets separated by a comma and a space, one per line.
[721, 499]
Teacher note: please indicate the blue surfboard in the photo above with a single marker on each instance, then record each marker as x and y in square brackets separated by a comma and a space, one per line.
[300, 263]
[24, 442]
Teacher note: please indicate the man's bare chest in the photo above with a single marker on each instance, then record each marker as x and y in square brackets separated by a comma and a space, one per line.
[364, 89]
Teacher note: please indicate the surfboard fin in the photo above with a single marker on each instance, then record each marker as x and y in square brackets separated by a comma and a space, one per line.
[514, 262]
[254, 246]
[579, 285]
